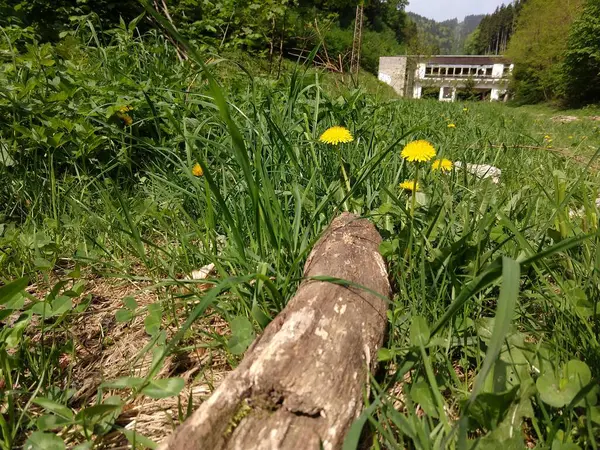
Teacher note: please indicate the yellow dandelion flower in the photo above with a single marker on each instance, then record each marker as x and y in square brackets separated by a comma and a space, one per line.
[127, 120]
[451, 125]
[547, 137]
[336, 135]
[126, 108]
[465, 109]
[570, 137]
[418, 151]
[197, 170]
[445, 165]
[410, 185]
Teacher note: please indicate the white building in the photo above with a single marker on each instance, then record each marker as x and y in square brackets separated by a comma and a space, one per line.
[412, 76]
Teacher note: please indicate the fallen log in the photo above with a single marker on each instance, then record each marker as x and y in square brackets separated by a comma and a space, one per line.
[301, 383]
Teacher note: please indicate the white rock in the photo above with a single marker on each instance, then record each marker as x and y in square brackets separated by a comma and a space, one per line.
[481, 170]
[203, 273]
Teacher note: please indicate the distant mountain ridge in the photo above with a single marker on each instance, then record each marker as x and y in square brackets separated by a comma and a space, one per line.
[447, 37]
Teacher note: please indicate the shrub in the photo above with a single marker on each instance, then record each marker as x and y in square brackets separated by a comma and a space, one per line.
[582, 59]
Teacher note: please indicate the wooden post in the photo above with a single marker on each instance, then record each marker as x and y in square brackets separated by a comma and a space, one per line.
[301, 383]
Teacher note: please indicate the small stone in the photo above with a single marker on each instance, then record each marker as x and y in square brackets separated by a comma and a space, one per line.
[203, 273]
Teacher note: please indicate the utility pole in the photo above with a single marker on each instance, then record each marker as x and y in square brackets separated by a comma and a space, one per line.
[357, 41]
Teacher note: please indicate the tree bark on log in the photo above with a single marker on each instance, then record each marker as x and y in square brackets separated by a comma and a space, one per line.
[301, 383]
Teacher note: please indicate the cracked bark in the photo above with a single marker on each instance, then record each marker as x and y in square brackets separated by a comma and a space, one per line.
[301, 383]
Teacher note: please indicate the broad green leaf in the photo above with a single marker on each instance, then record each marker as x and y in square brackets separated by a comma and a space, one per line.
[61, 305]
[84, 446]
[51, 422]
[93, 414]
[11, 290]
[17, 302]
[489, 409]
[106, 421]
[76, 290]
[551, 391]
[261, 318]
[419, 332]
[130, 303]
[163, 388]
[153, 319]
[388, 248]
[508, 435]
[54, 407]
[43, 308]
[123, 383]
[13, 339]
[42, 264]
[4, 313]
[420, 393]
[595, 414]
[242, 335]
[123, 315]
[485, 328]
[384, 354]
[44, 441]
[559, 390]
[139, 441]
[578, 372]
[557, 445]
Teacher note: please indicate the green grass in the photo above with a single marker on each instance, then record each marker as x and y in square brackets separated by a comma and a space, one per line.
[493, 327]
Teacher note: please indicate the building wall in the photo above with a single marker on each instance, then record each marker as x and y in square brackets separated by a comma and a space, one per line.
[409, 74]
[392, 70]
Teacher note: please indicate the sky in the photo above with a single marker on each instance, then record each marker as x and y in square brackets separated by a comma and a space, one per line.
[449, 9]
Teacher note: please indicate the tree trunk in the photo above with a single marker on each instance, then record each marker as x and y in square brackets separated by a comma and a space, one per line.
[301, 384]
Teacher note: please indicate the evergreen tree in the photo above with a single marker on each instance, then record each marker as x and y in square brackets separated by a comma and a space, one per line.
[447, 37]
[495, 30]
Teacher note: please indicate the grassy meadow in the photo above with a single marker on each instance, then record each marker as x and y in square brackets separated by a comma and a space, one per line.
[107, 340]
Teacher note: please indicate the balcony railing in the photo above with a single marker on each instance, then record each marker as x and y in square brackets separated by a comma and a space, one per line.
[464, 72]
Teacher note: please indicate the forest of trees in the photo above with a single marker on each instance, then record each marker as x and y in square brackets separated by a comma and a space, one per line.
[494, 30]
[256, 26]
[554, 44]
[447, 37]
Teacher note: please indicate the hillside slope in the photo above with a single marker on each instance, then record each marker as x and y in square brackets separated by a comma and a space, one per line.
[447, 37]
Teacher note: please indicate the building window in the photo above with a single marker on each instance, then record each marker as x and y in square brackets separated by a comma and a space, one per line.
[488, 72]
[447, 92]
[427, 71]
[451, 71]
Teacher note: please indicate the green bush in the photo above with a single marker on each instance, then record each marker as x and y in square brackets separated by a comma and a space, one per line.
[538, 46]
[582, 59]
[377, 44]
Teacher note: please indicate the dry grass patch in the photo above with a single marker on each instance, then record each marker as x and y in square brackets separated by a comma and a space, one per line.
[105, 349]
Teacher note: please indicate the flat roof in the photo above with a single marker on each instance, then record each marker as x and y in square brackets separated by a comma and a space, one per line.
[468, 59]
